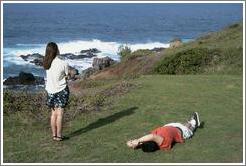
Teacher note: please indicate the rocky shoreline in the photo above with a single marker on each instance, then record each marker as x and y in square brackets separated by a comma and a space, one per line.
[98, 64]
[28, 79]
[37, 58]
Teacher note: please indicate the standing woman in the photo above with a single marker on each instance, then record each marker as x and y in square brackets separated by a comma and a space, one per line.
[56, 87]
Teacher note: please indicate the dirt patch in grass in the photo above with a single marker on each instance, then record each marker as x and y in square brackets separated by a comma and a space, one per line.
[129, 68]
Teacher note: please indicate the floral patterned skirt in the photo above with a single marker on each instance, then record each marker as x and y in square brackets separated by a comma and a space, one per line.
[59, 99]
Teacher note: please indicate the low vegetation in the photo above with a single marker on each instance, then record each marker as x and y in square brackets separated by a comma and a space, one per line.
[192, 61]
[127, 100]
[216, 53]
[97, 94]
[124, 51]
[100, 136]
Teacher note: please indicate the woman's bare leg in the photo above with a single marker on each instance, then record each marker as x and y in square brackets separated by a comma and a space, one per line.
[53, 122]
[150, 137]
[59, 112]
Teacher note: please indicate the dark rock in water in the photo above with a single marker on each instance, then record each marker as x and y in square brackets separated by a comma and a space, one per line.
[29, 57]
[67, 56]
[91, 50]
[24, 79]
[158, 49]
[25, 57]
[101, 63]
[88, 55]
[35, 58]
[73, 56]
[37, 62]
[98, 64]
[83, 54]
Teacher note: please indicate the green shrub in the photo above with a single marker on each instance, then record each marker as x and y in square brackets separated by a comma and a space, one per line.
[27, 107]
[140, 52]
[232, 60]
[124, 51]
[23, 101]
[192, 61]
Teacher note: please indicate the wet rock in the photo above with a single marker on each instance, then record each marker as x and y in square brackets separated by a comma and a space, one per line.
[35, 58]
[37, 62]
[101, 63]
[97, 65]
[91, 50]
[73, 56]
[175, 43]
[90, 53]
[24, 79]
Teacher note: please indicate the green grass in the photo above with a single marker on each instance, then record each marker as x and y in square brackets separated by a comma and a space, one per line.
[216, 53]
[158, 99]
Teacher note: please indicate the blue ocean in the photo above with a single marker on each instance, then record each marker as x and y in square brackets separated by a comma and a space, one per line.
[27, 28]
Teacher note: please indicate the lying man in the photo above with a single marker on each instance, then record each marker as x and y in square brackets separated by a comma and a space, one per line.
[164, 137]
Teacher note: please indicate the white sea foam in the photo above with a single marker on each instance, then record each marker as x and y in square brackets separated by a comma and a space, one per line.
[30, 45]
[107, 49]
[77, 46]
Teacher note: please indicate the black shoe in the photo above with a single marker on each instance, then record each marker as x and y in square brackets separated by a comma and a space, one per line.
[62, 138]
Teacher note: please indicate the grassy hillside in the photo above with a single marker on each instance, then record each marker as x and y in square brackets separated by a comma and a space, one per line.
[133, 97]
[215, 53]
[100, 136]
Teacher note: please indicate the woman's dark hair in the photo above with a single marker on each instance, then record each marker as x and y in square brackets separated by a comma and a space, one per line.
[50, 54]
[149, 146]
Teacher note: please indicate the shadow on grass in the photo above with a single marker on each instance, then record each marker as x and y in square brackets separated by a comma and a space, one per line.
[202, 125]
[103, 121]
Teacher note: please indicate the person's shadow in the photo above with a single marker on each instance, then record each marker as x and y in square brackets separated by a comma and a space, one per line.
[103, 121]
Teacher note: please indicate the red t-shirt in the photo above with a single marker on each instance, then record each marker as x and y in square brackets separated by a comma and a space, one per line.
[170, 135]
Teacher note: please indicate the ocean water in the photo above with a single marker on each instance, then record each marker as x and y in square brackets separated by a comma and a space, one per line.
[27, 28]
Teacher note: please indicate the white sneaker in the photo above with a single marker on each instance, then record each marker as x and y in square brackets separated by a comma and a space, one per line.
[196, 118]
